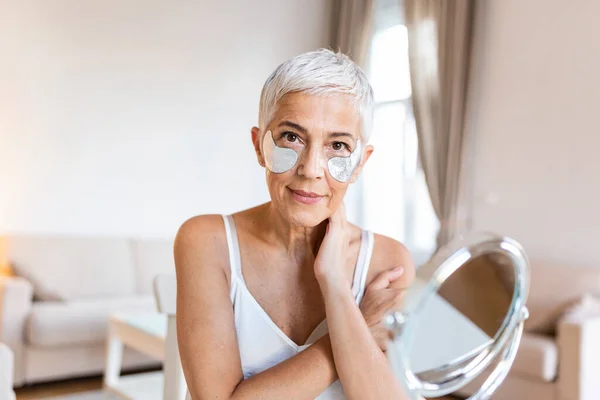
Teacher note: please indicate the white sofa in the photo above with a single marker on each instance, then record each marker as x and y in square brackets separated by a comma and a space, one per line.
[53, 313]
[6, 373]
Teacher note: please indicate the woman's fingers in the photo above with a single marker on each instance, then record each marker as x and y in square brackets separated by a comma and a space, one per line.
[384, 279]
[398, 299]
[386, 301]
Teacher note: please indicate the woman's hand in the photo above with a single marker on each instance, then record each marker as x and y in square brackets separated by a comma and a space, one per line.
[331, 258]
[379, 299]
[329, 267]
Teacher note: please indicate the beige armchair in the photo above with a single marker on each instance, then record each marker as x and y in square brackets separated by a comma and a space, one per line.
[6, 373]
[565, 367]
[578, 342]
[559, 355]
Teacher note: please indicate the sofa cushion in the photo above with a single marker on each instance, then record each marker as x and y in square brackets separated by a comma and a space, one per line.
[537, 358]
[553, 290]
[68, 268]
[78, 322]
[152, 257]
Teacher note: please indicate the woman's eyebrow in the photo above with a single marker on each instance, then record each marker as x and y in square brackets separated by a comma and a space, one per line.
[305, 131]
[339, 134]
[293, 125]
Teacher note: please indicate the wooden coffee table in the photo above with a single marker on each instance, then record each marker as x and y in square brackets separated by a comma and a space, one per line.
[144, 332]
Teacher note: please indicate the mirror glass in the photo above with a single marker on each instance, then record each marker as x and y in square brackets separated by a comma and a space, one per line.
[453, 325]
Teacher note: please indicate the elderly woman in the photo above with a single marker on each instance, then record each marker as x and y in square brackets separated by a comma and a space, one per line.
[284, 300]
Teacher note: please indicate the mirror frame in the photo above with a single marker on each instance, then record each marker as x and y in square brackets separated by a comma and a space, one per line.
[451, 377]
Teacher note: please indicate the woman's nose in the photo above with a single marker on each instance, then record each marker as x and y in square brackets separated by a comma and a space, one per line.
[311, 164]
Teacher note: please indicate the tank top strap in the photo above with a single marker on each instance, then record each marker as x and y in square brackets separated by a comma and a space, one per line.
[235, 262]
[362, 264]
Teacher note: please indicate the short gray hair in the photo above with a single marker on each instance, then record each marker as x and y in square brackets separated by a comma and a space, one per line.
[320, 72]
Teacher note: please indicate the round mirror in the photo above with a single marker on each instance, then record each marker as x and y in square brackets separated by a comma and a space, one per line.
[464, 313]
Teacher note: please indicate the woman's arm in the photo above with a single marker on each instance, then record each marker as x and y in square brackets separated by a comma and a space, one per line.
[304, 376]
[362, 367]
[206, 329]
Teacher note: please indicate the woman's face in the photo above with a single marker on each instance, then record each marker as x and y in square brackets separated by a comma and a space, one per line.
[317, 128]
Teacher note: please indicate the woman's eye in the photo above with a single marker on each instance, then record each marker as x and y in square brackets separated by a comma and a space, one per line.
[290, 137]
[337, 146]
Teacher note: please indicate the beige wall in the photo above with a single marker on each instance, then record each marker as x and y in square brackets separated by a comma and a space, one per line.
[127, 117]
[536, 118]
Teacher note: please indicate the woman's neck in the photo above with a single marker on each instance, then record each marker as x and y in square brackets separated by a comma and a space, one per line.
[300, 243]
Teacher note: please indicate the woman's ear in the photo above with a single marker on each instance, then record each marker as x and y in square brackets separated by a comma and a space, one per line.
[256, 142]
[368, 151]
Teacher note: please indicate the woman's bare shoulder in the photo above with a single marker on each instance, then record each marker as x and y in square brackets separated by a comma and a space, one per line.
[201, 243]
[387, 254]
[201, 230]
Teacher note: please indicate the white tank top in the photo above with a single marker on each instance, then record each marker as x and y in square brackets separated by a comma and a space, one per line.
[262, 344]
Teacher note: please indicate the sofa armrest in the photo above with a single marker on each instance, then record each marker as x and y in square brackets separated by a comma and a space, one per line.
[6, 373]
[16, 296]
[579, 357]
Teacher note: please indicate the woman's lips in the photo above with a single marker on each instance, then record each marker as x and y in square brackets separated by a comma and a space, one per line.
[305, 197]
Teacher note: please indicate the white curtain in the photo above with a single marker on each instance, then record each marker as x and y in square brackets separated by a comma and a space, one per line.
[440, 35]
[352, 28]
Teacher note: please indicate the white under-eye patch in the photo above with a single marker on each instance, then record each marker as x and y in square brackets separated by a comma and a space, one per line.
[281, 159]
[342, 168]
[278, 159]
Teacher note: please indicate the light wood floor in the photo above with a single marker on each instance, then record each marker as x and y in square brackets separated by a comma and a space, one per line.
[41, 391]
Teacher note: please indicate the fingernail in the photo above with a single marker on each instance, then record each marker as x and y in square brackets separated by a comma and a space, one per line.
[398, 269]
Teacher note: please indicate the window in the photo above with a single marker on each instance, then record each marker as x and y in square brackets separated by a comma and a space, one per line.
[395, 198]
